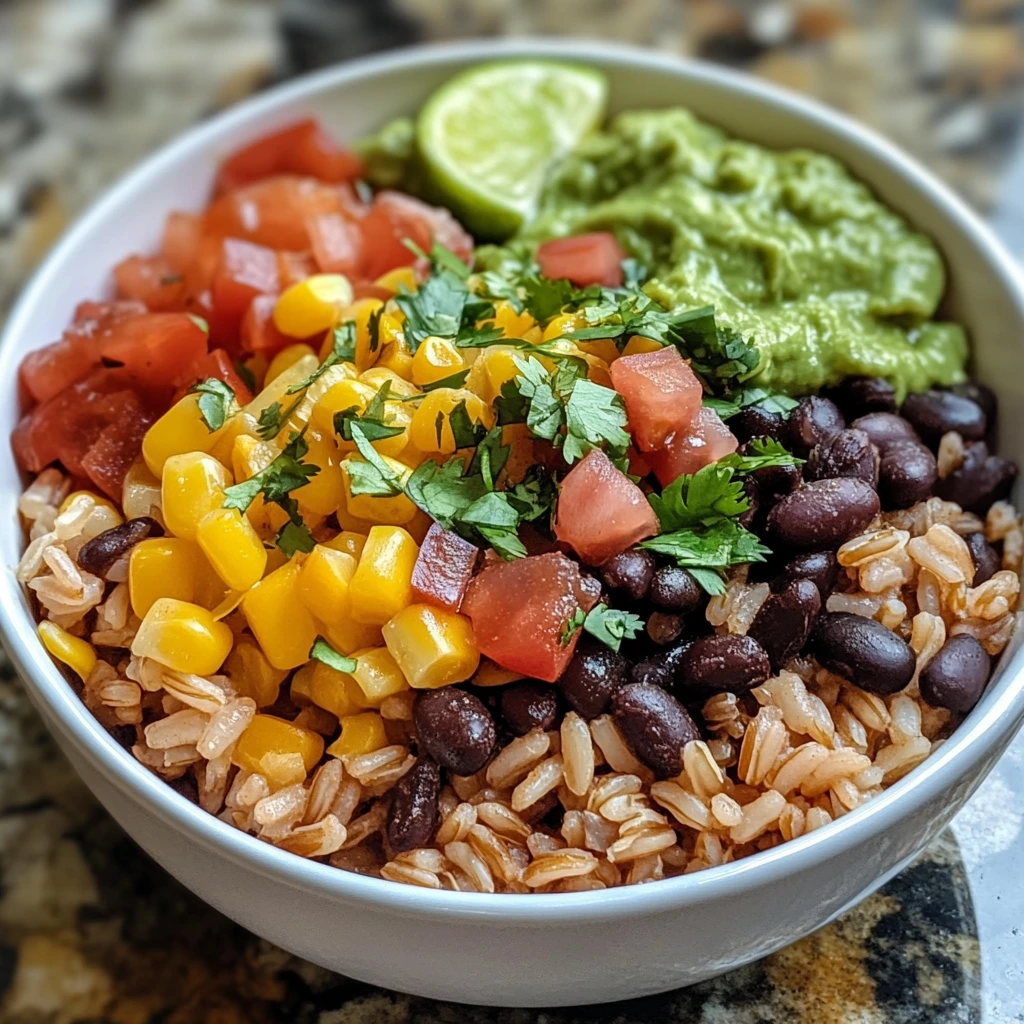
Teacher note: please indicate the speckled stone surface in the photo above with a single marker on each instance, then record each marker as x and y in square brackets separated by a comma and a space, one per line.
[91, 931]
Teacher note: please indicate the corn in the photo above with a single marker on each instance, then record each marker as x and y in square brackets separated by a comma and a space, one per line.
[278, 618]
[232, 547]
[242, 424]
[604, 349]
[288, 356]
[252, 675]
[181, 429]
[335, 691]
[323, 583]
[382, 584]
[140, 493]
[193, 484]
[257, 364]
[515, 325]
[433, 647]
[495, 365]
[313, 305]
[392, 510]
[400, 387]
[563, 324]
[377, 675]
[395, 279]
[163, 567]
[268, 735]
[276, 558]
[325, 491]
[350, 636]
[637, 344]
[276, 390]
[396, 356]
[300, 689]
[79, 655]
[348, 541]
[304, 410]
[435, 359]
[490, 673]
[424, 431]
[183, 636]
[362, 310]
[347, 521]
[340, 397]
[360, 734]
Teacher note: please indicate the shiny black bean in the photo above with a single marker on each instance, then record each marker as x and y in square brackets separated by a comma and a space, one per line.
[664, 627]
[527, 705]
[934, 413]
[984, 396]
[863, 651]
[785, 620]
[630, 573]
[675, 590]
[413, 814]
[885, 427]
[986, 559]
[955, 678]
[660, 669]
[722, 663]
[906, 474]
[850, 453]
[814, 420]
[454, 728]
[822, 514]
[756, 421]
[590, 679]
[820, 567]
[773, 482]
[857, 396]
[981, 480]
[655, 725]
[98, 555]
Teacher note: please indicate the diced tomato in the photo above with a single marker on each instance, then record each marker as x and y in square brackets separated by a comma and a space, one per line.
[583, 259]
[157, 349]
[151, 280]
[50, 369]
[92, 317]
[443, 568]
[218, 364]
[293, 267]
[258, 332]
[337, 243]
[245, 270]
[661, 392]
[601, 511]
[117, 447]
[520, 609]
[183, 233]
[301, 148]
[707, 441]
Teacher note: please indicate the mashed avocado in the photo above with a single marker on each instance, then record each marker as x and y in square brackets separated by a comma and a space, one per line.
[791, 250]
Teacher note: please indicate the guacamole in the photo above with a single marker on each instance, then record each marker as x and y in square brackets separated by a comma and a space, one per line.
[792, 251]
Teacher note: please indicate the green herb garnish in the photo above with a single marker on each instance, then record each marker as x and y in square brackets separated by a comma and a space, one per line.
[216, 401]
[323, 651]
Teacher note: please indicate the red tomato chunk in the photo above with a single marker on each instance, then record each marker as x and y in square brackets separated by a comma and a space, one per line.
[583, 259]
[443, 568]
[707, 441]
[601, 511]
[519, 611]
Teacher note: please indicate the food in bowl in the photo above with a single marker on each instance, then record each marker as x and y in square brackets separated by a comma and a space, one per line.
[663, 531]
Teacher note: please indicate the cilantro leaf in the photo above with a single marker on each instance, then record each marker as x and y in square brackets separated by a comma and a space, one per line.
[545, 416]
[695, 499]
[216, 401]
[371, 421]
[440, 257]
[294, 536]
[199, 322]
[373, 476]
[511, 406]
[546, 297]
[344, 350]
[465, 431]
[434, 309]
[456, 380]
[611, 626]
[574, 622]
[770, 401]
[762, 452]
[373, 328]
[323, 651]
[490, 457]
[535, 495]
[716, 546]
[443, 492]
[272, 419]
[595, 416]
[496, 520]
[709, 579]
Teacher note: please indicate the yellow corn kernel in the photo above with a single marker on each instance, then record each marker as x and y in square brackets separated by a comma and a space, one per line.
[300, 416]
[395, 279]
[192, 485]
[424, 431]
[563, 324]
[382, 584]
[323, 583]
[495, 365]
[79, 655]
[515, 325]
[377, 674]
[276, 390]
[637, 344]
[268, 734]
[362, 311]
[288, 356]
[393, 510]
[276, 558]
[335, 691]
[348, 541]
[183, 636]
[242, 424]
[603, 348]
[300, 689]
[257, 364]
[312, 305]
[163, 567]
[435, 359]
[181, 429]
[232, 547]
[88, 499]
[360, 734]
[348, 635]
[433, 647]
[340, 397]
[347, 521]
[395, 356]
[252, 675]
[140, 493]
[400, 387]
[325, 491]
[278, 618]
[490, 673]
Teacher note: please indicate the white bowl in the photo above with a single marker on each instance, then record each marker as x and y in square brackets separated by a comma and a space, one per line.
[516, 949]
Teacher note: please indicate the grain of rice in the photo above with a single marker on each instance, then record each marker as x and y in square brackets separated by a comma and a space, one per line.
[644, 819]
[540, 843]
[943, 553]
[951, 453]
[839, 764]
[495, 853]
[367, 768]
[367, 824]
[792, 822]
[1000, 520]
[758, 817]
[394, 871]
[683, 806]
[798, 766]
[816, 817]
[897, 759]
[650, 868]
[286, 805]
[515, 760]
[556, 866]
[252, 790]
[323, 791]
[871, 546]
[398, 706]
[598, 832]
[120, 694]
[226, 726]
[577, 754]
[905, 719]
[867, 605]
[722, 713]
[466, 786]
[455, 827]
[502, 819]
[318, 839]
[623, 806]
[725, 811]
[850, 729]
[613, 746]
[538, 783]
[183, 727]
[204, 695]
[706, 778]
[866, 707]
[995, 597]
[463, 856]
[763, 741]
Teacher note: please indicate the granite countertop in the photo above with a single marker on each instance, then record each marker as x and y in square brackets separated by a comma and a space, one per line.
[91, 931]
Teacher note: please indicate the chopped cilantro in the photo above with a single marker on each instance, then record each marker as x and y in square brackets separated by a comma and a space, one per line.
[573, 623]
[490, 457]
[373, 328]
[199, 322]
[374, 476]
[216, 401]
[344, 350]
[770, 401]
[465, 432]
[323, 651]
[273, 418]
[611, 626]
[456, 380]
[595, 417]
[371, 421]
[434, 309]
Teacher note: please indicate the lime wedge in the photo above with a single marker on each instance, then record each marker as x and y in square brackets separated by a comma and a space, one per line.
[489, 136]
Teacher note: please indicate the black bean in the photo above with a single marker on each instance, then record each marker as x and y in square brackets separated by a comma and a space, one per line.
[850, 453]
[955, 678]
[822, 514]
[591, 678]
[863, 651]
[857, 396]
[675, 590]
[814, 420]
[413, 814]
[934, 413]
[655, 725]
[906, 474]
[885, 427]
[785, 620]
[664, 627]
[752, 518]
[820, 567]
[629, 572]
[981, 480]
[528, 705]
[660, 668]
[756, 421]
[986, 559]
[454, 728]
[721, 663]
[96, 556]
[983, 395]
[773, 482]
